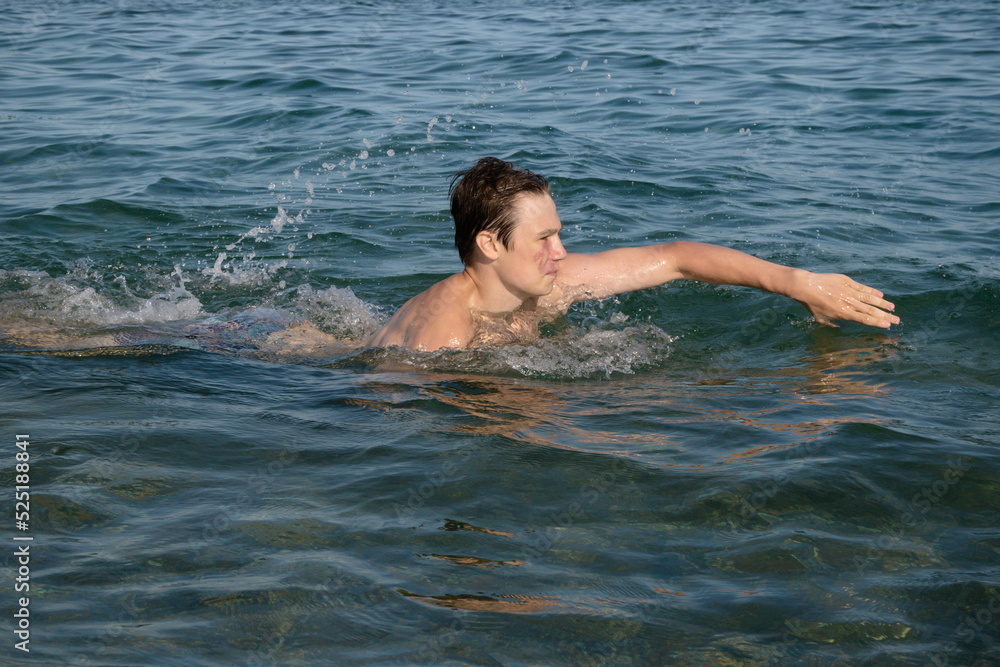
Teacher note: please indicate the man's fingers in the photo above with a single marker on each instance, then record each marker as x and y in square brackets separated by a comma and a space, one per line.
[880, 303]
[875, 317]
[874, 297]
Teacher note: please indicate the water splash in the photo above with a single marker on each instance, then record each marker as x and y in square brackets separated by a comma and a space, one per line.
[338, 311]
[597, 352]
[62, 301]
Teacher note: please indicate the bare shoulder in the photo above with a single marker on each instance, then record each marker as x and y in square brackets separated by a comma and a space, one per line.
[615, 271]
[436, 318]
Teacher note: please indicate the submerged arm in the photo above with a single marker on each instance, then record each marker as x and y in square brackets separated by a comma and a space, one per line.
[828, 296]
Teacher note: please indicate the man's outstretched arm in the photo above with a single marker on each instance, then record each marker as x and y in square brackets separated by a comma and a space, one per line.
[828, 296]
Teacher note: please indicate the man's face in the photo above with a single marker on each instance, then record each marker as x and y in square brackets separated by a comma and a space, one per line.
[530, 265]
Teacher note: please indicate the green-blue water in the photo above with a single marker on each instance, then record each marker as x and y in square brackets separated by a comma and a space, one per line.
[689, 475]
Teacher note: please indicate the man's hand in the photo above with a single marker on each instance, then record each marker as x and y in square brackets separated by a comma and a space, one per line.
[833, 296]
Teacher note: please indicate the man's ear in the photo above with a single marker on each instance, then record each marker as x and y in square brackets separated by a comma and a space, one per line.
[488, 244]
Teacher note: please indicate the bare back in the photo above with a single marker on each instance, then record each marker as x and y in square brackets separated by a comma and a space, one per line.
[439, 317]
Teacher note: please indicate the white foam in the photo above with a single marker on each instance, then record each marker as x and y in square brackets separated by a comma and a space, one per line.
[597, 353]
[68, 304]
[339, 311]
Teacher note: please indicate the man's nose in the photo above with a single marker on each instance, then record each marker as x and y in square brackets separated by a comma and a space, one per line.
[559, 252]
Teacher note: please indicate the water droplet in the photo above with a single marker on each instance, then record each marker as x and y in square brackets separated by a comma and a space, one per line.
[390, 152]
[363, 155]
[570, 68]
[673, 91]
[584, 64]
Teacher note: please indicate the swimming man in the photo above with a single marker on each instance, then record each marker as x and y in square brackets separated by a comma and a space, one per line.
[517, 272]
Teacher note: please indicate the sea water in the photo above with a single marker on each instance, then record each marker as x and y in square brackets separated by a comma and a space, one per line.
[687, 475]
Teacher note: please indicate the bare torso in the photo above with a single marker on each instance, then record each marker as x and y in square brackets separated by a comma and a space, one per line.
[445, 315]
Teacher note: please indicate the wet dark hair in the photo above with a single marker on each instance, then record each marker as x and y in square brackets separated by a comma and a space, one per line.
[482, 198]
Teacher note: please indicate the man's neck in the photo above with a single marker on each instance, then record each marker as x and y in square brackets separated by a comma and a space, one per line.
[490, 295]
